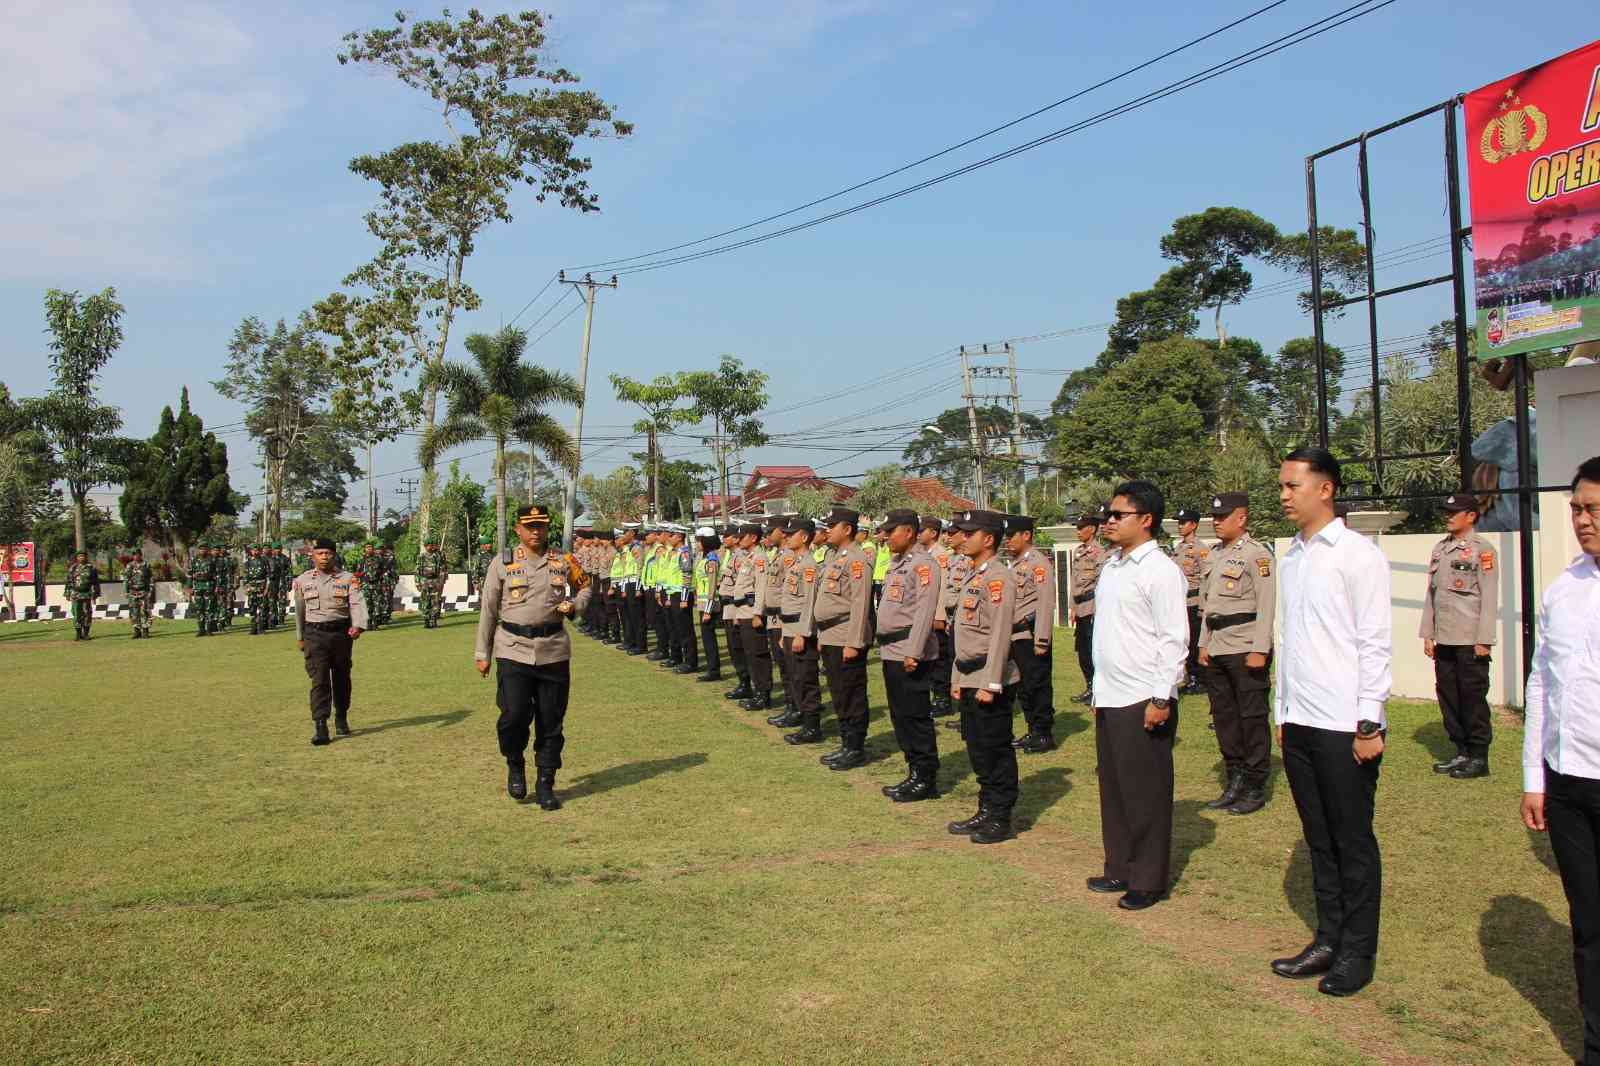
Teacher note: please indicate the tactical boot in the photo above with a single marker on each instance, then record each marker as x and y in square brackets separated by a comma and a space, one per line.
[1454, 762]
[321, 737]
[969, 825]
[787, 720]
[836, 754]
[854, 755]
[710, 675]
[516, 783]
[900, 786]
[1230, 793]
[1038, 743]
[1477, 766]
[924, 786]
[544, 789]
[761, 701]
[808, 733]
[1251, 799]
[684, 668]
[741, 691]
[994, 829]
[341, 725]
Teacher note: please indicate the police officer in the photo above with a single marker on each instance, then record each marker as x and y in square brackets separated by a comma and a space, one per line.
[1459, 614]
[779, 559]
[329, 616]
[797, 613]
[650, 594]
[985, 679]
[635, 639]
[908, 647]
[83, 589]
[526, 595]
[1191, 556]
[844, 633]
[681, 605]
[955, 579]
[1238, 600]
[139, 582]
[616, 580]
[930, 539]
[707, 604]
[1087, 559]
[750, 596]
[1031, 632]
[727, 590]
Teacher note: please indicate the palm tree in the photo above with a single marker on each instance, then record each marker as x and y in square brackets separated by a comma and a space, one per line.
[500, 396]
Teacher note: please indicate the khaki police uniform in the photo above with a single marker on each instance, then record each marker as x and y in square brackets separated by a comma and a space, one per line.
[797, 614]
[1035, 578]
[327, 607]
[843, 620]
[1191, 557]
[769, 600]
[750, 596]
[1086, 561]
[1459, 612]
[1238, 603]
[984, 614]
[912, 590]
[733, 579]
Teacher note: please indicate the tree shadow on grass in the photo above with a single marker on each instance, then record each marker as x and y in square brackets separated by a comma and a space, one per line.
[442, 719]
[1040, 791]
[632, 773]
[1432, 737]
[1069, 724]
[954, 766]
[1527, 948]
[1191, 831]
[1297, 886]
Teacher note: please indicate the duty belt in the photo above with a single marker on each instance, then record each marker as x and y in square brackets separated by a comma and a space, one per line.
[789, 617]
[1225, 621]
[966, 666]
[330, 627]
[745, 601]
[1085, 598]
[727, 601]
[841, 620]
[1022, 626]
[549, 629]
[893, 636]
[772, 612]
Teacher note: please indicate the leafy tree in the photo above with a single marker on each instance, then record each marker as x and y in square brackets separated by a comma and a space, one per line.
[177, 480]
[613, 498]
[461, 500]
[882, 490]
[529, 478]
[1251, 466]
[1166, 309]
[85, 333]
[729, 397]
[1246, 377]
[510, 121]
[1212, 247]
[1291, 394]
[56, 534]
[681, 481]
[1341, 255]
[25, 472]
[321, 518]
[947, 453]
[659, 400]
[499, 396]
[811, 501]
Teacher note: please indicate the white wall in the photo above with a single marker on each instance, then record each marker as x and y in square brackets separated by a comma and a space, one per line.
[1569, 433]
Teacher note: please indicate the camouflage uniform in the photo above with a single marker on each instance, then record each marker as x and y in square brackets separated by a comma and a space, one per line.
[390, 581]
[230, 585]
[480, 565]
[281, 574]
[259, 587]
[368, 570]
[139, 582]
[221, 590]
[83, 588]
[199, 582]
[430, 586]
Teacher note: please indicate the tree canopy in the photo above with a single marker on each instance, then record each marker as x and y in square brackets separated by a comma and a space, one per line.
[178, 480]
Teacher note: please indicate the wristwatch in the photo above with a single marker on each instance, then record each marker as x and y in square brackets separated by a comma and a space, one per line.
[1161, 705]
[1367, 728]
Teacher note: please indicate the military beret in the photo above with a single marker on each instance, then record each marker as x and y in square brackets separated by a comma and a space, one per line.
[1460, 502]
[1224, 504]
[972, 521]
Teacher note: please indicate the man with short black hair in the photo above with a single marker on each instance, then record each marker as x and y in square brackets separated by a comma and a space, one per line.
[329, 615]
[1333, 678]
[1560, 765]
[844, 632]
[907, 648]
[1140, 642]
[1086, 560]
[1459, 614]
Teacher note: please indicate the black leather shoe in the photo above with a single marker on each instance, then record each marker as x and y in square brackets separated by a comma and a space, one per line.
[321, 737]
[1022, 741]
[712, 675]
[993, 830]
[1133, 900]
[685, 668]
[852, 758]
[786, 720]
[516, 783]
[636, 651]
[810, 734]
[1250, 801]
[831, 757]
[967, 826]
[1350, 974]
[1083, 697]
[1230, 792]
[922, 787]
[1107, 885]
[341, 725]
[544, 790]
[1449, 764]
[1317, 958]
[1473, 767]
[1038, 743]
[899, 786]
[758, 702]
[741, 691]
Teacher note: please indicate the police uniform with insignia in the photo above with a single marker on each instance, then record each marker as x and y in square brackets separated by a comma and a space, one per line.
[1085, 563]
[1031, 634]
[985, 679]
[844, 633]
[929, 540]
[329, 614]
[954, 579]
[908, 648]
[769, 604]
[1191, 557]
[527, 595]
[797, 613]
[708, 606]
[733, 563]
[750, 595]
[1459, 614]
[1238, 602]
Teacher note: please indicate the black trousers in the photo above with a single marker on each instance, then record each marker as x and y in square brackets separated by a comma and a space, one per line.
[939, 679]
[1335, 796]
[615, 628]
[1193, 667]
[1239, 711]
[757, 655]
[805, 688]
[1462, 681]
[708, 639]
[1037, 692]
[633, 618]
[680, 637]
[774, 634]
[536, 697]
[847, 686]
[328, 665]
[1572, 814]
[911, 714]
[652, 618]
[1083, 644]
[986, 727]
[735, 646]
[1135, 768]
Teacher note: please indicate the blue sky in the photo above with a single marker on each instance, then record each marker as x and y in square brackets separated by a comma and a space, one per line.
[195, 158]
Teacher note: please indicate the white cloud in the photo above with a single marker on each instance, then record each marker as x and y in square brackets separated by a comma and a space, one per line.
[120, 119]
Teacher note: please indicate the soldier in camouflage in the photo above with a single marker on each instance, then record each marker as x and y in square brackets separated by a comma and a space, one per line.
[480, 564]
[259, 586]
[230, 587]
[221, 591]
[430, 582]
[139, 582]
[83, 588]
[198, 578]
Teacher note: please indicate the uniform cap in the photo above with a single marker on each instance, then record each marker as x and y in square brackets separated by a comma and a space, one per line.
[751, 528]
[485, 540]
[1224, 504]
[1184, 514]
[705, 531]
[800, 524]
[842, 514]
[1459, 502]
[776, 522]
[1089, 518]
[900, 516]
[323, 542]
[532, 515]
[972, 521]
[1019, 523]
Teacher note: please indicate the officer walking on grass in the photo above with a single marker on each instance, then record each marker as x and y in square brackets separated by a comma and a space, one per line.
[329, 616]
[527, 596]
[1459, 613]
[83, 588]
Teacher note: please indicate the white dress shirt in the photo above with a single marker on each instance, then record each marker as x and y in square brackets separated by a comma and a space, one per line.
[1141, 628]
[1563, 697]
[1333, 659]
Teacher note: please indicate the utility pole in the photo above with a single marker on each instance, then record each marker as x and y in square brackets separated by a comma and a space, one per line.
[978, 494]
[372, 496]
[1016, 432]
[409, 484]
[588, 286]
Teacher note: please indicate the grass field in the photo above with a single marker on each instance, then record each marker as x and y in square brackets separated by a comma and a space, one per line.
[183, 879]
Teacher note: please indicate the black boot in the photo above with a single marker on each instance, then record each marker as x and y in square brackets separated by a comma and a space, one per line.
[761, 701]
[854, 755]
[1038, 743]
[995, 828]
[685, 668]
[710, 675]
[787, 720]
[544, 789]
[341, 724]
[1251, 799]
[321, 737]
[968, 825]
[836, 754]
[1457, 760]
[1229, 793]
[924, 786]
[900, 786]
[516, 782]
[810, 732]
[1477, 766]
[741, 691]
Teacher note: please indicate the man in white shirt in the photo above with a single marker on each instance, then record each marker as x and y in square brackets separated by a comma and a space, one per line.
[1561, 742]
[1141, 644]
[1332, 681]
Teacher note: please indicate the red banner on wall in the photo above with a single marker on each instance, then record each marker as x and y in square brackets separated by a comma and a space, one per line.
[19, 562]
[1533, 161]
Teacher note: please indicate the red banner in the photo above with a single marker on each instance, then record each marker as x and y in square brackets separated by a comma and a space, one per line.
[19, 562]
[1533, 160]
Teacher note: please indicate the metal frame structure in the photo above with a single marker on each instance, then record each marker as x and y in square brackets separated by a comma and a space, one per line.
[1526, 492]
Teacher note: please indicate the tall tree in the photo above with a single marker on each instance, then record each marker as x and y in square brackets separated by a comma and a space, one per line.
[1212, 246]
[1166, 309]
[658, 399]
[498, 395]
[1292, 392]
[882, 489]
[26, 473]
[613, 498]
[945, 451]
[177, 480]
[510, 122]
[1340, 255]
[813, 501]
[84, 333]
[729, 397]
[680, 483]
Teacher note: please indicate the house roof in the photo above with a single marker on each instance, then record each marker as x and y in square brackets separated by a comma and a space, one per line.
[930, 490]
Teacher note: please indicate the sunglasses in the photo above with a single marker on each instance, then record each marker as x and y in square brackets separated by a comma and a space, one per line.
[1117, 516]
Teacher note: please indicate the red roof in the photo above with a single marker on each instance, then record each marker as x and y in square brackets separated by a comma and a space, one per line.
[932, 490]
[772, 488]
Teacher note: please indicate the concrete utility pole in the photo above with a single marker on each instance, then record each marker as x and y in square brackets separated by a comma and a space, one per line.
[372, 497]
[409, 484]
[1016, 432]
[979, 496]
[588, 286]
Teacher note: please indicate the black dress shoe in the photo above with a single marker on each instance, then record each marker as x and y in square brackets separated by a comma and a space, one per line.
[1022, 741]
[321, 737]
[1107, 885]
[1134, 900]
[1038, 743]
[922, 787]
[993, 830]
[741, 691]
[835, 754]
[1230, 792]
[1317, 958]
[516, 783]
[805, 735]
[1250, 801]
[713, 675]
[685, 668]
[758, 702]
[852, 758]
[1083, 697]
[1473, 767]
[544, 790]
[1350, 974]
[1449, 764]
[967, 826]
[653, 656]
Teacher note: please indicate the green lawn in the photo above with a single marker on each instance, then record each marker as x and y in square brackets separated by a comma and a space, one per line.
[183, 879]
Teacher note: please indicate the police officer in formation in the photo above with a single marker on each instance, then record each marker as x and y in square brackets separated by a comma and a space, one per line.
[83, 589]
[707, 605]
[797, 613]
[844, 633]
[769, 603]
[139, 581]
[749, 599]
[1237, 604]
[1031, 633]
[1191, 556]
[908, 647]
[330, 614]
[1458, 619]
[733, 557]
[1087, 560]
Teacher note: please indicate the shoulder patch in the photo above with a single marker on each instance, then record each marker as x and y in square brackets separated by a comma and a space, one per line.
[924, 574]
[1039, 574]
[857, 568]
[1486, 560]
[997, 591]
[1264, 566]
[811, 573]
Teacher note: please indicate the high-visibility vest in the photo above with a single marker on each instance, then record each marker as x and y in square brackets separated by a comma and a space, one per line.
[702, 577]
[880, 564]
[647, 572]
[820, 552]
[630, 565]
[668, 572]
[619, 566]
